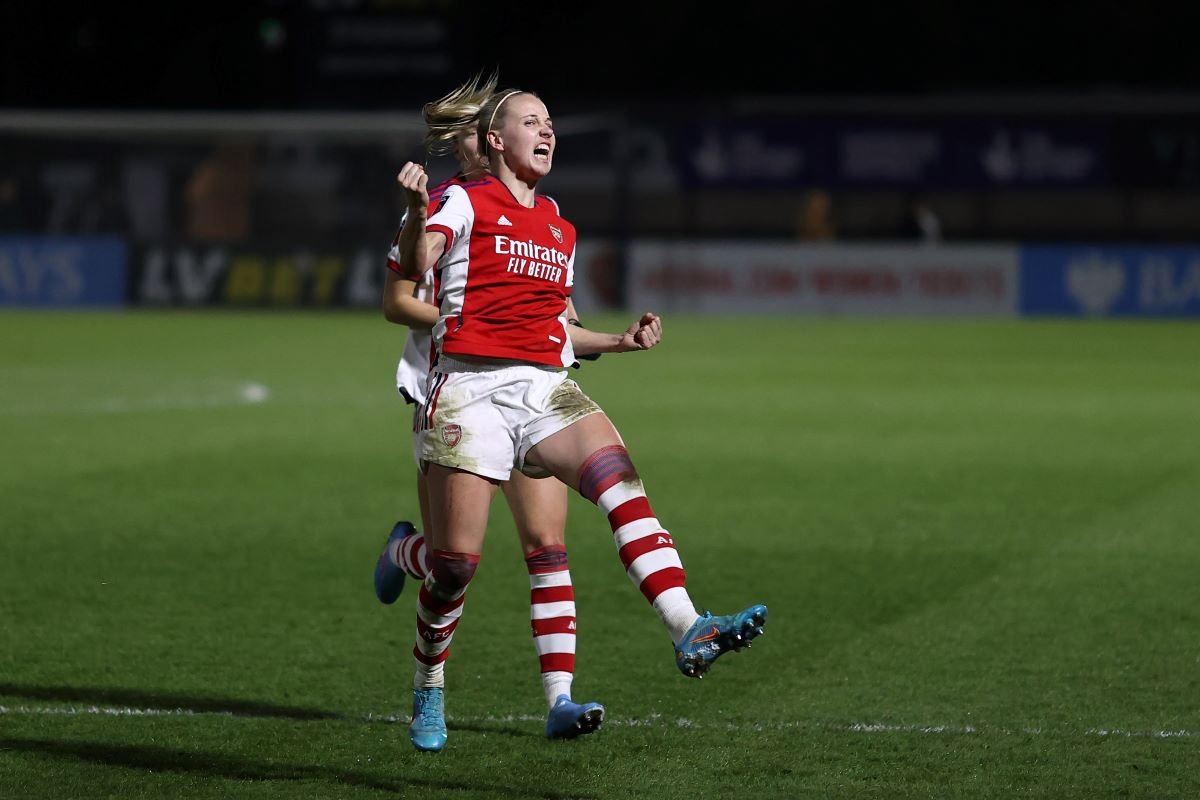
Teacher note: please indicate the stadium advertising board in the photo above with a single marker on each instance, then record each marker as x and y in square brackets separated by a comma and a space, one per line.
[950, 153]
[249, 275]
[1110, 281]
[62, 271]
[877, 280]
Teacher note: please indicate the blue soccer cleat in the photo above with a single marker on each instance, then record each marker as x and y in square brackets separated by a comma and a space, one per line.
[389, 579]
[427, 731]
[710, 637]
[568, 720]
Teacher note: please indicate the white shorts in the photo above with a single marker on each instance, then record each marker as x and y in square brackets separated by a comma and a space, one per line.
[485, 418]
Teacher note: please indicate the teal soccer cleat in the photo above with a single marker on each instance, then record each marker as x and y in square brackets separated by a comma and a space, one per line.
[389, 579]
[710, 637]
[427, 731]
[568, 720]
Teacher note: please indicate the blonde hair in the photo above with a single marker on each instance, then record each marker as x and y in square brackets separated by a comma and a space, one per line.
[448, 116]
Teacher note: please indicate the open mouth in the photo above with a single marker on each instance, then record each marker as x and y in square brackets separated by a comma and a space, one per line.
[542, 150]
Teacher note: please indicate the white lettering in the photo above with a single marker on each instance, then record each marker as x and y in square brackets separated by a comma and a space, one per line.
[1158, 288]
[196, 277]
[506, 246]
[195, 274]
[52, 274]
[154, 287]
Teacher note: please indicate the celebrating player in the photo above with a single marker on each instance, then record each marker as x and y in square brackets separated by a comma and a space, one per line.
[539, 507]
[499, 398]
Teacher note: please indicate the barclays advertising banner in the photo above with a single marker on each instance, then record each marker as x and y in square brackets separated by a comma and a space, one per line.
[1110, 281]
[62, 271]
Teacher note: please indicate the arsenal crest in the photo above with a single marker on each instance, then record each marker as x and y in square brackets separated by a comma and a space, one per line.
[452, 434]
[557, 233]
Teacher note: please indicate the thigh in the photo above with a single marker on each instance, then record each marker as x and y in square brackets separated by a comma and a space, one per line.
[561, 405]
[459, 503]
[562, 453]
[539, 510]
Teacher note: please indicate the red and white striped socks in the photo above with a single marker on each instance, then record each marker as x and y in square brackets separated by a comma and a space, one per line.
[609, 480]
[409, 554]
[552, 617]
[439, 608]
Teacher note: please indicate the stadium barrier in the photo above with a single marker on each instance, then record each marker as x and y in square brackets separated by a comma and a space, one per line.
[706, 277]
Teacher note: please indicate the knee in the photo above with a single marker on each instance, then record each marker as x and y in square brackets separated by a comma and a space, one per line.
[451, 572]
[605, 468]
[541, 537]
[549, 558]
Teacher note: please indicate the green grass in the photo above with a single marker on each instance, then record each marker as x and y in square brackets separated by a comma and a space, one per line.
[977, 541]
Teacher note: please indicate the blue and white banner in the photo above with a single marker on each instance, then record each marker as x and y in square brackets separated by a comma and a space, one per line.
[951, 152]
[62, 271]
[1110, 281]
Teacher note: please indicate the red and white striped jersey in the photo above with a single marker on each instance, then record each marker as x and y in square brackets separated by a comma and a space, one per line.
[503, 281]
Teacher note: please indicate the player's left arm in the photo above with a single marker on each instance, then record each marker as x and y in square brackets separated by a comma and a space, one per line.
[403, 305]
[643, 334]
[573, 320]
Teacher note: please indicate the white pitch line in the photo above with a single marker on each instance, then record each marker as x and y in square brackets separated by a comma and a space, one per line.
[651, 721]
[212, 394]
[243, 394]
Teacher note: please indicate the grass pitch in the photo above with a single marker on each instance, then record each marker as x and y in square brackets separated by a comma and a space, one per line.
[978, 542]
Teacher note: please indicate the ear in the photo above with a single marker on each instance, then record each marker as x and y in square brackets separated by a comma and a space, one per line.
[495, 142]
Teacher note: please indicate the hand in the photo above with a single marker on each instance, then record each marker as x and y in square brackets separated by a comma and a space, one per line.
[643, 334]
[414, 181]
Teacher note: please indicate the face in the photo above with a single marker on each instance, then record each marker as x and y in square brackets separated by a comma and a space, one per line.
[525, 142]
[466, 150]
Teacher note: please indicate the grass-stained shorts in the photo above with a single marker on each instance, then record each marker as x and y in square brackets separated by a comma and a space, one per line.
[485, 417]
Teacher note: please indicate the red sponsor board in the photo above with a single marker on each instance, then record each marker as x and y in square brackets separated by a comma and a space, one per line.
[900, 279]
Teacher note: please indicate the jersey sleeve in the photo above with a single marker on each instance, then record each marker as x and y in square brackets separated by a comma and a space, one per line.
[453, 216]
[393, 256]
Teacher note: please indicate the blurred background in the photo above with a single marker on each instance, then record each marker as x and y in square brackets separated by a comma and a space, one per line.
[820, 157]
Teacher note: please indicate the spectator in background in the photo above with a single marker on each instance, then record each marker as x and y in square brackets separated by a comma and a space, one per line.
[815, 219]
[604, 277]
[146, 193]
[219, 195]
[920, 222]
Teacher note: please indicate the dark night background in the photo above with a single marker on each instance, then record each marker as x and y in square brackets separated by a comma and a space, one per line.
[274, 55]
[730, 116]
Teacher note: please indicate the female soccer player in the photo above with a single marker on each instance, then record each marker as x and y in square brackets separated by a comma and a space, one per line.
[499, 397]
[539, 507]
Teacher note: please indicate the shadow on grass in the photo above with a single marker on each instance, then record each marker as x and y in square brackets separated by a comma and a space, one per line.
[496, 727]
[200, 704]
[164, 701]
[217, 765]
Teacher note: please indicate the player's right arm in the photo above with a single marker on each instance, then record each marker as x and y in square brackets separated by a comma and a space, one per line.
[419, 249]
